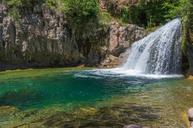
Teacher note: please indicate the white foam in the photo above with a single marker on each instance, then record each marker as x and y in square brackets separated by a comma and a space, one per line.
[120, 72]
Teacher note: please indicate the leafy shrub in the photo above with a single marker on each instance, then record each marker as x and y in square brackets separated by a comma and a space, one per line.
[184, 10]
[81, 10]
[147, 13]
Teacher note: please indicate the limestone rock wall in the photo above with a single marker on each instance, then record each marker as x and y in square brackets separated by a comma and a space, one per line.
[190, 51]
[120, 39]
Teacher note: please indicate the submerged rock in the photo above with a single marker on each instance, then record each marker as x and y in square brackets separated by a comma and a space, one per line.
[116, 116]
[6, 113]
[6, 110]
[190, 117]
[190, 114]
[133, 126]
[19, 97]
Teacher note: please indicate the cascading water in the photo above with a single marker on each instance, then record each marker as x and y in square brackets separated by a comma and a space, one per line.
[156, 56]
[158, 53]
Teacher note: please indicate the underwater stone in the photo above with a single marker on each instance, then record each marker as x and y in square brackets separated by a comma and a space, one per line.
[132, 126]
[190, 117]
[190, 114]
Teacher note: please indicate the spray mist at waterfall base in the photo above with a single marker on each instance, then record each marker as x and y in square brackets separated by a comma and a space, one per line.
[120, 72]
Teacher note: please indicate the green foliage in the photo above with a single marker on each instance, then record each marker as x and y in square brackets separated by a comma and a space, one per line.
[14, 3]
[183, 9]
[147, 13]
[131, 14]
[14, 13]
[51, 3]
[81, 9]
[20, 3]
[13, 8]
[105, 17]
[155, 11]
[82, 16]
[125, 14]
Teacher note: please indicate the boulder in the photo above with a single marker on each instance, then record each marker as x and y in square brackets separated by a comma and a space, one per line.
[120, 39]
[190, 114]
[123, 36]
[133, 126]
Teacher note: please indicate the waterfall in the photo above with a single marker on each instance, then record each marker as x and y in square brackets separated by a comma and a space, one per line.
[159, 53]
[158, 56]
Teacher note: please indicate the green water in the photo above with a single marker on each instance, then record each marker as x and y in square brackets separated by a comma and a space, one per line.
[64, 98]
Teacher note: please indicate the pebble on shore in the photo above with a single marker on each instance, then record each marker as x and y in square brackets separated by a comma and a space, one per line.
[132, 126]
[190, 117]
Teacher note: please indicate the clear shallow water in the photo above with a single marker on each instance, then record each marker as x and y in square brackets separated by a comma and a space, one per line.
[64, 88]
[83, 87]
[87, 99]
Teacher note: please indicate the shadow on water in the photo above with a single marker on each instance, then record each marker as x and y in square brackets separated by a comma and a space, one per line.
[20, 97]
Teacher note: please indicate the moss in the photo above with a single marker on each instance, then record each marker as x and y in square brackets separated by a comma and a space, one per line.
[105, 17]
[184, 35]
[152, 29]
[185, 119]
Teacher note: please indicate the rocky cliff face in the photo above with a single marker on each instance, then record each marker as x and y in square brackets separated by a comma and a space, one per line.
[120, 39]
[43, 37]
[190, 51]
[188, 27]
